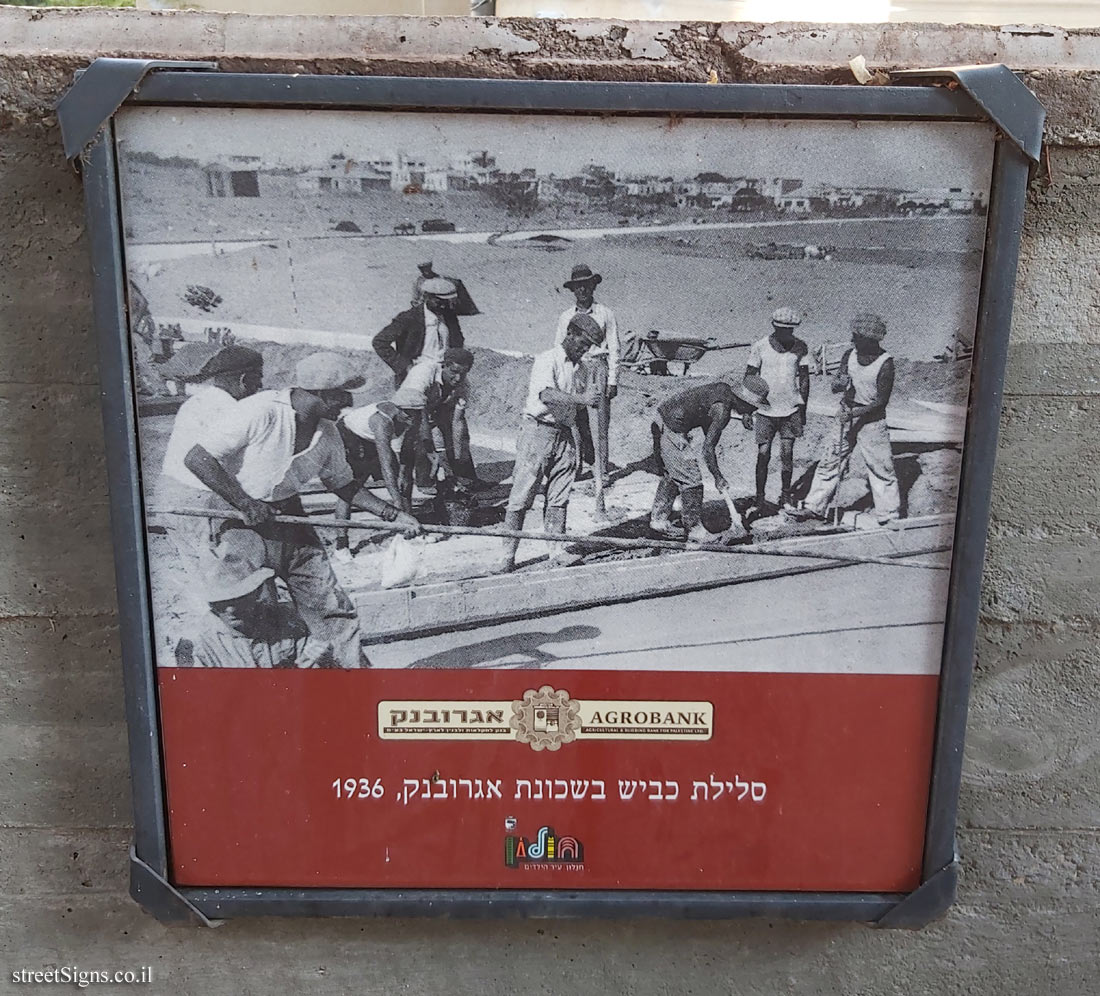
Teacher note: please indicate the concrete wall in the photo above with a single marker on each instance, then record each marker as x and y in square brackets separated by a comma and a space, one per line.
[1028, 915]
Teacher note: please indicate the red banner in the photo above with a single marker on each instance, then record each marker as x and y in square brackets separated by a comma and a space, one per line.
[807, 782]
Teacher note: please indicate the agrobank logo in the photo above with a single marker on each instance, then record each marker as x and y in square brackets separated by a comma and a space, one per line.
[546, 849]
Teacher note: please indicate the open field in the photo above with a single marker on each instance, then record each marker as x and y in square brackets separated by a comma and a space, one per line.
[688, 282]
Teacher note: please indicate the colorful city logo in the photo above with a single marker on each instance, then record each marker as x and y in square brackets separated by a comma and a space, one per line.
[547, 848]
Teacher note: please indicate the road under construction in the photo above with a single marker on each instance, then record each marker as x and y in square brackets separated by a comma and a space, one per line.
[837, 601]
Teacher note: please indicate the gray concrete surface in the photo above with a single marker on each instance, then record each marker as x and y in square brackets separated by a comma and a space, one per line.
[1028, 917]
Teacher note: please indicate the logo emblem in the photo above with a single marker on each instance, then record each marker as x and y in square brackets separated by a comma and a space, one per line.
[546, 848]
[546, 718]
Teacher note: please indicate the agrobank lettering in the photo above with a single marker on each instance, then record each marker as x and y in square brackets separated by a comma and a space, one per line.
[627, 718]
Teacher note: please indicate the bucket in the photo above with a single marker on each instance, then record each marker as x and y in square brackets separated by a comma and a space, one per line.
[457, 512]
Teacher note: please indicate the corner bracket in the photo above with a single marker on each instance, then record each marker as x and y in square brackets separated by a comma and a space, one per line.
[927, 902]
[1000, 93]
[156, 895]
[100, 90]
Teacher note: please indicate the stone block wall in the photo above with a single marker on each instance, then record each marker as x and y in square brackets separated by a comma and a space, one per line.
[1028, 915]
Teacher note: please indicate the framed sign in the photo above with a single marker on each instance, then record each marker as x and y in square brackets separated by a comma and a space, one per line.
[549, 498]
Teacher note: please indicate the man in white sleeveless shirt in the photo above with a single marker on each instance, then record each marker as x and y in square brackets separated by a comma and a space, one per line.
[866, 378]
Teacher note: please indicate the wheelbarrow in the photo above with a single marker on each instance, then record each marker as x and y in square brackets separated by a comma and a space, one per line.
[665, 355]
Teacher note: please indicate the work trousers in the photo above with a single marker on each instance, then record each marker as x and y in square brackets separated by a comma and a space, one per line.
[594, 446]
[872, 439]
[448, 433]
[296, 554]
[678, 455]
[544, 453]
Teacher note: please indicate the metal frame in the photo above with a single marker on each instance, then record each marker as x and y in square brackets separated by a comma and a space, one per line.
[990, 93]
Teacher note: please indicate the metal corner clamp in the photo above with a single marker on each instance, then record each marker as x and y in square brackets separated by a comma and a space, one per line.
[99, 91]
[1002, 96]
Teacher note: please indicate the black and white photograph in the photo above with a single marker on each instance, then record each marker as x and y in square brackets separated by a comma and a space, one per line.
[468, 390]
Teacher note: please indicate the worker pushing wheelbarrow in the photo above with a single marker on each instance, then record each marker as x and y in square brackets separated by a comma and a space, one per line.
[666, 355]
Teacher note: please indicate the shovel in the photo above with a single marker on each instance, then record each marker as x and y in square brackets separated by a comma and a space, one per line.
[737, 521]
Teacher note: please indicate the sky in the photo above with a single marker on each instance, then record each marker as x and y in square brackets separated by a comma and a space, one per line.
[839, 153]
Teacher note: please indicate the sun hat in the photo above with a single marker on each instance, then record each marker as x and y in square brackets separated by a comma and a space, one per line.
[238, 566]
[582, 274]
[753, 389]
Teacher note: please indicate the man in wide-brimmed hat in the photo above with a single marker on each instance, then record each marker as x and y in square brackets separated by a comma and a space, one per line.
[782, 360]
[266, 452]
[866, 379]
[706, 410]
[546, 456]
[601, 363]
[247, 625]
[424, 332]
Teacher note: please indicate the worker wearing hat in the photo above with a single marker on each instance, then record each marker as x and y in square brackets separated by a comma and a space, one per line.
[546, 455]
[247, 625]
[782, 360]
[866, 381]
[424, 332]
[706, 410]
[464, 303]
[601, 364]
[265, 454]
[215, 378]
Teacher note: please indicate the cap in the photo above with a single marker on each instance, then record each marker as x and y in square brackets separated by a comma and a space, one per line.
[869, 326]
[753, 389]
[439, 287]
[582, 274]
[326, 372]
[238, 568]
[587, 328]
[188, 359]
[232, 359]
[786, 317]
[458, 356]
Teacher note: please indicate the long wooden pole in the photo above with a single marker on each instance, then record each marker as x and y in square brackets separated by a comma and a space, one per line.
[612, 542]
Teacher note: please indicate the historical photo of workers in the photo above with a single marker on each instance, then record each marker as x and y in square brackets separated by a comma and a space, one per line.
[447, 391]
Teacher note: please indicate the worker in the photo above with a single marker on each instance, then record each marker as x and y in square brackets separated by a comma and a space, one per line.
[464, 303]
[425, 272]
[601, 365]
[383, 441]
[782, 360]
[703, 410]
[422, 333]
[546, 451]
[260, 459]
[445, 434]
[866, 381]
[247, 625]
[215, 378]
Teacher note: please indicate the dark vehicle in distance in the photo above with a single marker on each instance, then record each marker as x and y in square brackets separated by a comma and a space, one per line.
[437, 225]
